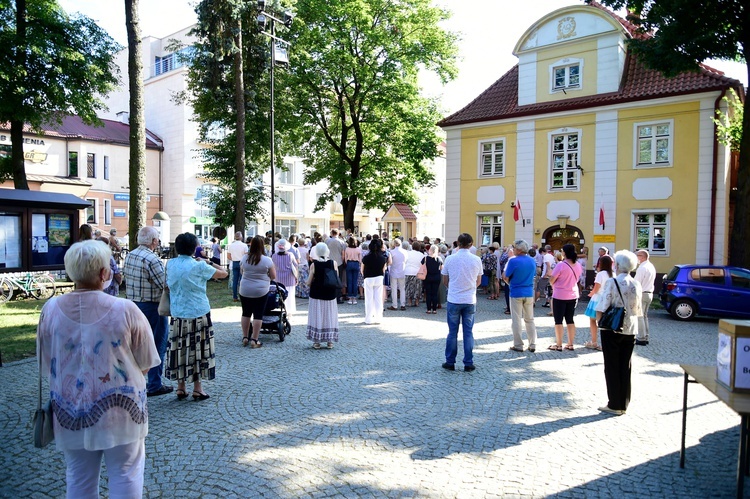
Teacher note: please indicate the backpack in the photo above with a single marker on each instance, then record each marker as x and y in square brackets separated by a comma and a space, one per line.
[330, 279]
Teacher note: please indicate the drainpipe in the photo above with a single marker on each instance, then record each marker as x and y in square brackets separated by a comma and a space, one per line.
[714, 173]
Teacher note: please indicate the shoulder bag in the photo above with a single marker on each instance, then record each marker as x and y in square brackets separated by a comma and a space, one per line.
[422, 272]
[164, 307]
[614, 317]
[44, 431]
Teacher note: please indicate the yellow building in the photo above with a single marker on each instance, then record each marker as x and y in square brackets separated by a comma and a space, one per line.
[581, 143]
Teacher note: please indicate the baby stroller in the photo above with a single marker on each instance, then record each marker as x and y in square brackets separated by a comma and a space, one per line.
[275, 319]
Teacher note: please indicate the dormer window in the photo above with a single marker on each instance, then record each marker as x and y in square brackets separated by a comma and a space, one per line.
[566, 75]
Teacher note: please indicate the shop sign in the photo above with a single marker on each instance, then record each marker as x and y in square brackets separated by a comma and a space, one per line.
[120, 212]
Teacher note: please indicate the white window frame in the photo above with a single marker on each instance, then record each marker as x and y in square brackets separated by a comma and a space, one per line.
[550, 168]
[106, 168]
[107, 212]
[94, 205]
[667, 226]
[284, 205]
[637, 140]
[481, 152]
[566, 64]
[497, 219]
[286, 175]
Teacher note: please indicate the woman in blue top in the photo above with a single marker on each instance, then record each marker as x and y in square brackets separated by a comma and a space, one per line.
[191, 339]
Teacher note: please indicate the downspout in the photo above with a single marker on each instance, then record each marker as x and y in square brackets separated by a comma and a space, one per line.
[714, 172]
[161, 190]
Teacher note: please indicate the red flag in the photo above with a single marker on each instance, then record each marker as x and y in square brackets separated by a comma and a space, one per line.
[516, 209]
[601, 215]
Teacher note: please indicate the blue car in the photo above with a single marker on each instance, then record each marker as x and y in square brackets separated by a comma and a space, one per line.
[721, 291]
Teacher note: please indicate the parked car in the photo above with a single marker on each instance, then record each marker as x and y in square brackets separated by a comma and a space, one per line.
[721, 291]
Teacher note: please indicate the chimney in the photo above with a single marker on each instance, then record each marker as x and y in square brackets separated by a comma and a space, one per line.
[124, 117]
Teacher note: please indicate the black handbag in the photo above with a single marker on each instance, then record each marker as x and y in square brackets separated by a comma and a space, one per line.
[44, 432]
[614, 317]
[331, 278]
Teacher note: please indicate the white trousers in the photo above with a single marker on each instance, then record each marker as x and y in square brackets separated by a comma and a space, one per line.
[374, 300]
[291, 302]
[125, 465]
[398, 283]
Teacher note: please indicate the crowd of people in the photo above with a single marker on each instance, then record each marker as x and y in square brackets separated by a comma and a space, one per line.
[138, 346]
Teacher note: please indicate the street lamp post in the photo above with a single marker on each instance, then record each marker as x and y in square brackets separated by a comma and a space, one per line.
[262, 18]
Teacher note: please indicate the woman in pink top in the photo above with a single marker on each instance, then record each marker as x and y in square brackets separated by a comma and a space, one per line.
[564, 283]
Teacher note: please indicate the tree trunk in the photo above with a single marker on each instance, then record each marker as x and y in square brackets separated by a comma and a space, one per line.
[137, 170]
[739, 252]
[16, 155]
[16, 127]
[349, 205]
[239, 101]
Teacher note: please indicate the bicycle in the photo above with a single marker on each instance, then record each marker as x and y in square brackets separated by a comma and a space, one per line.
[39, 286]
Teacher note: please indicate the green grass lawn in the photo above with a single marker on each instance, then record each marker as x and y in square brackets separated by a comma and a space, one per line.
[19, 318]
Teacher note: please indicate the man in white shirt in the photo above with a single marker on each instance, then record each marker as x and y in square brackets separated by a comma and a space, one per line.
[462, 273]
[235, 251]
[397, 274]
[548, 261]
[646, 274]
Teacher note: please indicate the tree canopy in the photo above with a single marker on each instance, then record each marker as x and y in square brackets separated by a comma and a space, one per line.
[351, 103]
[228, 91]
[678, 36]
[53, 64]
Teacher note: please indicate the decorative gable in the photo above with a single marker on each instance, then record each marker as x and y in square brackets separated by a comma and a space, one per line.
[572, 52]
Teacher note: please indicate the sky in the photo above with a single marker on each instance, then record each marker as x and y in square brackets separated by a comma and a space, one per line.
[488, 30]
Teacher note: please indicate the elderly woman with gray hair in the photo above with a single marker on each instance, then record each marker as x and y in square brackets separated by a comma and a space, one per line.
[95, 350]
[322, 311]
[617, 346]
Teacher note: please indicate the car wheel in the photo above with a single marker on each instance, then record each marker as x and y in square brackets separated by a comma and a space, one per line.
[683, 310]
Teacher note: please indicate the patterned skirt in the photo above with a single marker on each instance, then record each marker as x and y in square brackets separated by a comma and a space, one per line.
[303, 290]
[190, 355]
[413, 288]
[322, 321]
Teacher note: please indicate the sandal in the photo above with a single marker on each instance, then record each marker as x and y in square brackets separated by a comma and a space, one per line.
[592, 345]
[256, 343]
[316, 346]
[245, 341]
[181, 394]
[200, 396]
[569, 347]
[556, 348]
[329, 345]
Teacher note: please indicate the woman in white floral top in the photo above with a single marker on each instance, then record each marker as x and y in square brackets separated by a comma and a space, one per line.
[95, 349]
[617, 346]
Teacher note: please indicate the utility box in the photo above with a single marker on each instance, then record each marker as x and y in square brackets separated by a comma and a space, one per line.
[733, 357]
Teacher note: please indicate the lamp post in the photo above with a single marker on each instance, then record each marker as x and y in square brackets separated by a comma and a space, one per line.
[263, 17]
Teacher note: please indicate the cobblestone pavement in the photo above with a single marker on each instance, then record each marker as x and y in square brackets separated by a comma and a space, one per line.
[378, 417]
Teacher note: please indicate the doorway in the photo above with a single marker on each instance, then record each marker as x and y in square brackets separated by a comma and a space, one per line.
[558, 237]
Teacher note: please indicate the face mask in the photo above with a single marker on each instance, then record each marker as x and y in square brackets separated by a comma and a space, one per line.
[107, 284]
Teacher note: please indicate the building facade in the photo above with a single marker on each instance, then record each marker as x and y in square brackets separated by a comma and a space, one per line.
[580, 143]
[90, 162]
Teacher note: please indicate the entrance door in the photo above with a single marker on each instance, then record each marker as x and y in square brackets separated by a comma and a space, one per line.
[557, 237]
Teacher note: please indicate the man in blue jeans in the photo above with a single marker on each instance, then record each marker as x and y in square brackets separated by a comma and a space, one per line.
[462, 273]
[145, 278]
[235, 251]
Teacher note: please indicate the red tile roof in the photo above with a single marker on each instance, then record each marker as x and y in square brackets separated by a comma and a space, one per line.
[500, 100]
[404, 210]
[73, 127]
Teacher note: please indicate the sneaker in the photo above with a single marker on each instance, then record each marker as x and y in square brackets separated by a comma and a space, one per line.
[615, 412]
[470, 368]
[449, 367]
[354, 302]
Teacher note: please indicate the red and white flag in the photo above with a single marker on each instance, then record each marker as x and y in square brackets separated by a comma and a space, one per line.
[518, 212]
[601, 215]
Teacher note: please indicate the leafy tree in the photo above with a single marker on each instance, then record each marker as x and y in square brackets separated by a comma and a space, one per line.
[53, 64]
[137, 166]
[685, 33]
[226, 68]
[351, 102]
